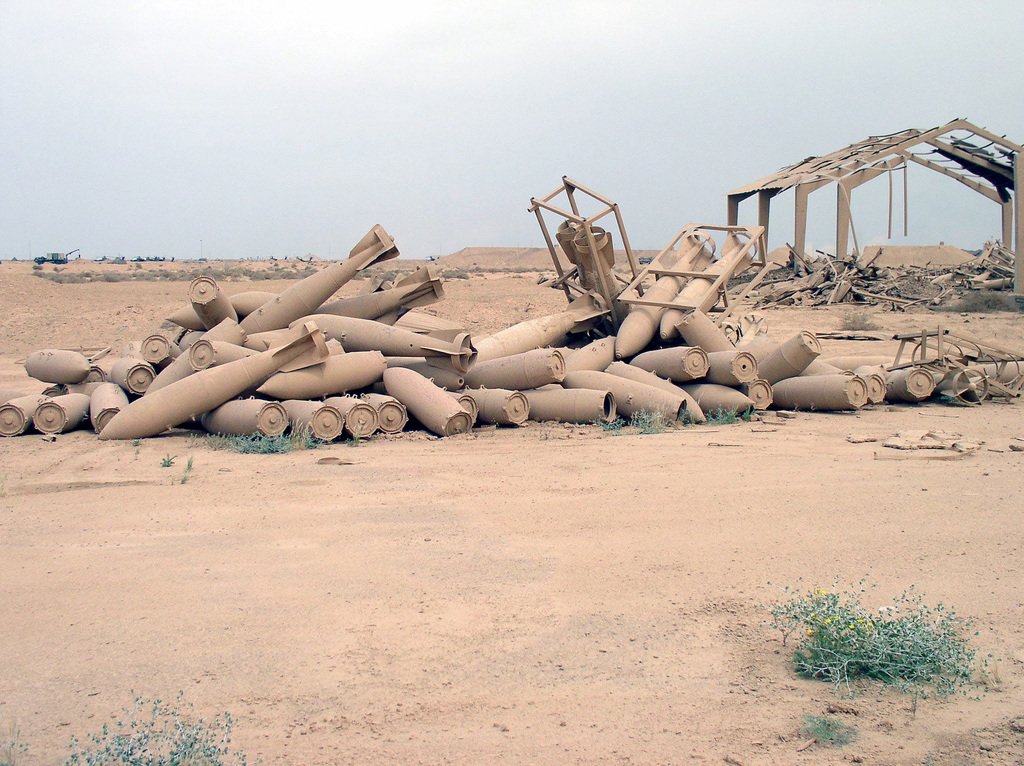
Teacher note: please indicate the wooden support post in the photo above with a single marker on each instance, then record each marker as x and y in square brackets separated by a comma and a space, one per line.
[842, 220]
[734, 210]
[1018, 225]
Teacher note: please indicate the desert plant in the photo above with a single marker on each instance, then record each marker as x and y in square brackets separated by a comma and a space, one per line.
[187, 474]
[721, 417]
[260, 444]
[983, 302]
[859, 320]
[908, 645]
[827, 730]
[11, 745]
[613, 425]
[155, 733]
[648, 422]
[167, 461]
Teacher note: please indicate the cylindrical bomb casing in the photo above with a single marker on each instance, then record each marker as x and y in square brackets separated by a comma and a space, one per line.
[16, 414]
[789, 359]
[230, 331]
[367, 335]
[55, 365]
[177, 370]
[55, 390]
[822, 393]
[261, 341]
[851, 363]
[187, 318]
[391, 413]
[468, 404]
[246, 417]
[322, 420]
[641, 323]
[530, 369]
[61, 413]
[969, 386]
[133, 374]
[1007, 372]
[96, 375]
[187, 339]
[499, 406]
[421, 322]
[106, 400]
[307, 295]
[698, 329]
[731, 368]
[596, 356]
[759, 345]
[337, 374]
[445, 377]
[432, 406]
[910, 384]
[158, 350]
[203, 391]
[576, 405]
[207, 353]
[360, 418]
[819, 367]
[714, 398]
[422, 291]
[631, 397]
[874, 378]
[625, 370]
[210, 303]
[7, 394]
[524, 336]
[679, 363]
[85, 387]
[247, 302]
[760, 393]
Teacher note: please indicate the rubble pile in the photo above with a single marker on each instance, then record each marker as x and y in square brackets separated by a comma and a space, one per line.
[260, 363]
[940, 276]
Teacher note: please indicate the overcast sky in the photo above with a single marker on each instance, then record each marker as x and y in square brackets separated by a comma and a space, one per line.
[258, 129]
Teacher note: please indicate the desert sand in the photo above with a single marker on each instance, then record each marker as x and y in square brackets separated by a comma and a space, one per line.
[546, 595]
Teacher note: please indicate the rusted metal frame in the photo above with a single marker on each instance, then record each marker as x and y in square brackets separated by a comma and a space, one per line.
[968, 127]
[739, 299]
[606, 290]
[989, 192]
[554, 256]
[979, 166]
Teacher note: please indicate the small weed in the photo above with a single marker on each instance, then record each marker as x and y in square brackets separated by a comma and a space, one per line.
[3, 485]
[721, 417]
[155, 733]
[859, 320]
[258, 444]
[648, 422]
[827, 730]
[188, 471]
[908, 645]
[611, 425]
[11, 745]
[168, 461]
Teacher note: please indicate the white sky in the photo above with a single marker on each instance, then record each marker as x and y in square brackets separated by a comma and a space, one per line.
[280, 129]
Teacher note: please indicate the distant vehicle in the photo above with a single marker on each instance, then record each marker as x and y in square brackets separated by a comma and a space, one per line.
[54, 257]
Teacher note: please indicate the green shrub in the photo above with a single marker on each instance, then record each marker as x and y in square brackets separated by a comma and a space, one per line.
[648, 422]
[827, 730]
[984, 302]
[907, 645]
[258, 444]
[721, 417]
[11, 745]
[155, 733]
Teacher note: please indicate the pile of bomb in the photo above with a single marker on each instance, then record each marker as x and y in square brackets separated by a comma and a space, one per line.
[257, 363]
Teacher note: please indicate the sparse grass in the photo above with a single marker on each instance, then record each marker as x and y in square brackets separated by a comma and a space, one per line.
[135, 273]
[648, 422]
[721, 417]
[908, 645]
[258, 444]
[983, 302]
[168, 461]
[3, 485]
[187, 474]
[859, 320]
[827, 730]
[455, 274]
[11, 745]
[616, 424]
[155, 733]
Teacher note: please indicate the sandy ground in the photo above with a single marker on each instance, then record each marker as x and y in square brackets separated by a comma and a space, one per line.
[545, 595]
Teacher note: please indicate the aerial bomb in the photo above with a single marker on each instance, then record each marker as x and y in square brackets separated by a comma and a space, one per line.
[16, 414]
[132, 374]
[203, 391]
[391, 413]
[697, 329]
[499, 406]
[360, 418]
[576, 405]
[106, 400]
[336, 374]
[625, 370]
[631, 397]
[789, 359]
[874, 377]
[321, 420]
[207, 353]
[539, 332]
[468, 404]
[596, 355]
[731, 368]
[436, 371]
[641, 323]
[760, 393]
[530, 369]
[246, 417]
[61, 413]
[307, 295]
[54, 365]
[435, 408]
[713, 398]
[678, 363]
[823, 393]
[158, 350]
[910, 384]
[210, 303]
[420, 288]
